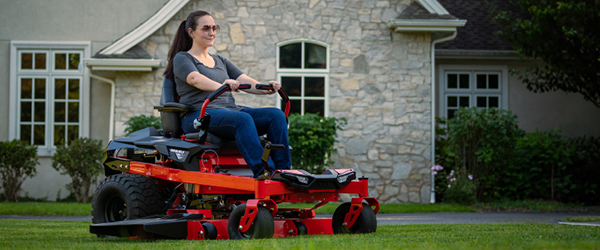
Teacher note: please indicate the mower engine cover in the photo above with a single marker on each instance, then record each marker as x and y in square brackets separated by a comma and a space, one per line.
[331, 179]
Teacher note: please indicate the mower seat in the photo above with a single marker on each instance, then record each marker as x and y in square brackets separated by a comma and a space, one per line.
[170, 112]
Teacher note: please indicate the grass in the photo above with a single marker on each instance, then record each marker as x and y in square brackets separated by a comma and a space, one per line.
[75, 235]
[46, 208]
[582, 218]
[533, 206]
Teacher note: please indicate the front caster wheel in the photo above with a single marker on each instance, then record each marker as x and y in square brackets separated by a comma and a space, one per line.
[262, 226]
[365, 223]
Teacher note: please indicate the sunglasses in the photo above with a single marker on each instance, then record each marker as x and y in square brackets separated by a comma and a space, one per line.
[207, 28]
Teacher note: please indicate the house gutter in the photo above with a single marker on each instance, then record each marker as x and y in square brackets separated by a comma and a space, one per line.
[433, 105]
[112, 102]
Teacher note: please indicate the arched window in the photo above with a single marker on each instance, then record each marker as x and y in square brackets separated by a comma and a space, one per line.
[303, 70]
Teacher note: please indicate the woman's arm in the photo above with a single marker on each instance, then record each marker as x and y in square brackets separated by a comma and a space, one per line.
[204, 83]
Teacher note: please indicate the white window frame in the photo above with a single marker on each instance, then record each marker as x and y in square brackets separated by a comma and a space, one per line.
[472, 92]
[18, 47]
[305, 73]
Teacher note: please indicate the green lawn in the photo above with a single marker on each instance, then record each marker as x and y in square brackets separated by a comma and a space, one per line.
[75, 235]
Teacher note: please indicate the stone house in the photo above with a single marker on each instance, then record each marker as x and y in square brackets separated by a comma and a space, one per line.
[382, 65]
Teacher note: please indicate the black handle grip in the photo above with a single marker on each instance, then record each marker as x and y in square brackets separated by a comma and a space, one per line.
[281, 93]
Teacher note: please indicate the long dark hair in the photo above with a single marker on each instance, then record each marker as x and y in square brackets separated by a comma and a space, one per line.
[182, 41]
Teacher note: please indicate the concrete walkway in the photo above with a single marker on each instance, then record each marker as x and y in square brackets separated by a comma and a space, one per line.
[415, 218]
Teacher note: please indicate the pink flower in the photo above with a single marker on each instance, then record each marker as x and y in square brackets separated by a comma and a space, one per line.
[434, 173]
[449, 186]
[470, 177]
[453, 179]
[437, 168]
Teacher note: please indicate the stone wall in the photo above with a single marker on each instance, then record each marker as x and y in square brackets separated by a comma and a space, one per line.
[379, 80]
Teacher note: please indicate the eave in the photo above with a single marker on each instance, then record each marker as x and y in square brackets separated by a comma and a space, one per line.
[122, 64]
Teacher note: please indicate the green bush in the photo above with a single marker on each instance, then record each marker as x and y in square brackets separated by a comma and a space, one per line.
[584, 171]
[312, 137]
[482, 141]
[18, 160]
[539, 170]
[141, 122]
[82, 160]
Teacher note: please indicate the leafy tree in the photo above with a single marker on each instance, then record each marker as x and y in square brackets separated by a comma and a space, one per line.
[564, 34]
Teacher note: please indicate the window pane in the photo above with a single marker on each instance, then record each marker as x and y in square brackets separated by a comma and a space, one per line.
[493, 81]
[39, 134]
[59, 135]
[26, 88]
[26, 61]
[314, 86]
[464, 81]
[40, 88]
[481, 102]
[73, 112]
[26, 133]
[60, 88]
[40, 60]
[315, 56]
[73, 132]
[290, 56]
[314, 106]
[60, 61]
[26, 111]
[74, 61]
[451, 113]
[295, 106]
[59, 112]
[452, 101]
[463, 101]
[452, 81]
[73, 88]
[494, 102]
[292, 85]
[39, 112]
[481, 81]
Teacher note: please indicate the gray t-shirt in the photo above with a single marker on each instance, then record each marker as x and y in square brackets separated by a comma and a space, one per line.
[184, 64]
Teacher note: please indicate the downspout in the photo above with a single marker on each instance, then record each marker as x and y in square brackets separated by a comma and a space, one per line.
[433, 108]
[112, 103]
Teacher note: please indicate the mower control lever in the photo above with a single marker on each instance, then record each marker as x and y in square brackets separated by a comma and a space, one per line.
[281, 93]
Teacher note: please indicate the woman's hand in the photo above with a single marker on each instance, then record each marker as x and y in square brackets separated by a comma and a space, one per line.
[233, 84]
[276, 86]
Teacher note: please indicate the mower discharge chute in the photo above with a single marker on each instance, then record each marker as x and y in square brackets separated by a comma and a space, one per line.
[166, 184]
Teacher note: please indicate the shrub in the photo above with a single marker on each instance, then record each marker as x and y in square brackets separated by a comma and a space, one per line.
[141, 122]
[539, 168]
[82, 160]
[454, 186]
[584, 171]
[482, 141]
[312, 137]
[18, 160]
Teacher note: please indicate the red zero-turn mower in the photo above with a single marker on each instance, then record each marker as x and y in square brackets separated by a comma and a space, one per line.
[163, 184]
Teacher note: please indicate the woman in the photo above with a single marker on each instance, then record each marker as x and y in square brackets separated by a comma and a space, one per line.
[197, 73]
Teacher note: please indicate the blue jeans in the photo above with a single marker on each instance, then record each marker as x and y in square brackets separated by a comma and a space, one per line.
[245, 127]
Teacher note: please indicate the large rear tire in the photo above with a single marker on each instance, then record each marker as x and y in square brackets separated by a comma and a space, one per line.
[125, 197]
[365, 223]
[262, 227]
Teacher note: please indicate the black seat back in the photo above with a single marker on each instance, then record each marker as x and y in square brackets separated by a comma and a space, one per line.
[171, 122]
